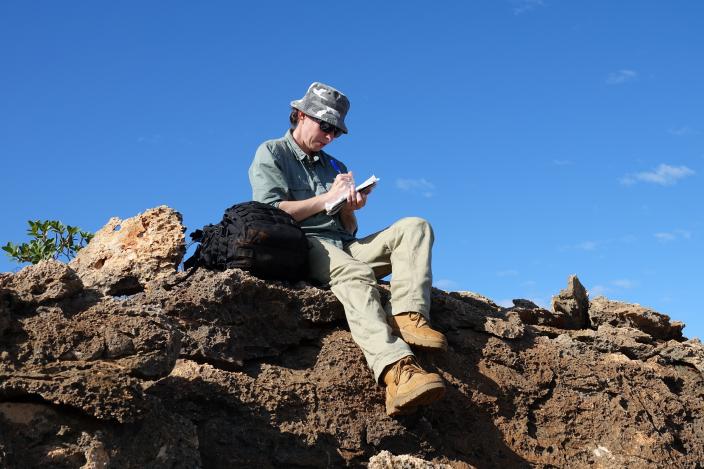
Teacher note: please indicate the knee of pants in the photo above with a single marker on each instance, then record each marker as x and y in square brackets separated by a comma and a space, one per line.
[415, 224]
[352, 271]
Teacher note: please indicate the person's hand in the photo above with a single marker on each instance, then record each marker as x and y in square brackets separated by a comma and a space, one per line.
[341, 186]
[356, 200]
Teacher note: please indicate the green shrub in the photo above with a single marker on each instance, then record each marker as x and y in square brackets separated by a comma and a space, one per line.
[50, 239]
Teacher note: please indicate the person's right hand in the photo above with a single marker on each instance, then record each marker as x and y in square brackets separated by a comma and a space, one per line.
[341, 186]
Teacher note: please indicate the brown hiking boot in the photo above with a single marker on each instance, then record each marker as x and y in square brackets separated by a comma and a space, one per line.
[415, 330]
[408, 386]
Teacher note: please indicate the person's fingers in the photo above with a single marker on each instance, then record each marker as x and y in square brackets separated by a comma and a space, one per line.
[343, 178]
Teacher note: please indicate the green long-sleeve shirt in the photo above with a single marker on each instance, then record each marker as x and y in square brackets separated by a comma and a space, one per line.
[282, 171]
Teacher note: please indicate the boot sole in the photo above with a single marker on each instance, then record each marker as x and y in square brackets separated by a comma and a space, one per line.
[420, 341]
[422, 395]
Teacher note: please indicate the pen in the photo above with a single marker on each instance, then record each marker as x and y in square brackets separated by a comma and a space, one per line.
[335, 166]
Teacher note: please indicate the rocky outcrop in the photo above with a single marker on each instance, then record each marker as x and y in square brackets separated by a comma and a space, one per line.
[690, 352]
[125, 255]
[49, 280]
[221, 369]
[386, 460]
[615, 313]
[571, 306]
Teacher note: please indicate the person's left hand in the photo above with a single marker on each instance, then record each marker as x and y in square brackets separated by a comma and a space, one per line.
[356, 200]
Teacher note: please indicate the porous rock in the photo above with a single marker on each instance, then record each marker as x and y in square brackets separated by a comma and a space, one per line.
[99, 389]
[141, 340]
[618, 314]
[570, 306]
[630, 342]
[88, 353]
[44, 435]
[230, 317]
[5, 313]
[126, 255]
[273, 363]
[451, 313]
[530, 313]
[268, 375]
[524, 304]
[47, 281]
[386, 460]
[690, 352]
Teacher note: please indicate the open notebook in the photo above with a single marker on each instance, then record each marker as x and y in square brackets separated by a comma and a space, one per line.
[333, 207]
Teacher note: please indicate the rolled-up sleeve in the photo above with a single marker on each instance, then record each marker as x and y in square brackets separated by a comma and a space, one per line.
[268, 183]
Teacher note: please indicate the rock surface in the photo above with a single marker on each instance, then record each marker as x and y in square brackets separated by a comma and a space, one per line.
[125, 255]
[571, 306]
[49, 280]
[386, 460]
[221, 369]
[604, 311]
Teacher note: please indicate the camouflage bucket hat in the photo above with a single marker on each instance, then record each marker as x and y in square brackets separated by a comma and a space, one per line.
[325, 103]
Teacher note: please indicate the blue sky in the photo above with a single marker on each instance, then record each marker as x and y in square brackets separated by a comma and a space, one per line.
[540, 138]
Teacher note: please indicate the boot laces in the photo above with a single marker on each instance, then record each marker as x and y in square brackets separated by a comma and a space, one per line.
[417, 318]
[406, 365]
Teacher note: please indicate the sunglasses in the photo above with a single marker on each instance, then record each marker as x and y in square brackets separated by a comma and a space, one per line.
[328, 128]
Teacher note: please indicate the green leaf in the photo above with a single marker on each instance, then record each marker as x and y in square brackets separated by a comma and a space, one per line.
[48, 238]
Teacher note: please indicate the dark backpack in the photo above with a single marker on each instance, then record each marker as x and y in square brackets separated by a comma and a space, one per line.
[255, 237]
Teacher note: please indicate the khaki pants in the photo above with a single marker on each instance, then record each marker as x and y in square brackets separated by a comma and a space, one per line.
[405, 249]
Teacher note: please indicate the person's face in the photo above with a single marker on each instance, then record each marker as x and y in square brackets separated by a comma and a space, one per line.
[309, 134]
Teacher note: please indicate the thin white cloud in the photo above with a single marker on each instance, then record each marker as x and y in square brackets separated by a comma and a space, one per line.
[524, 6]
[445, 284]
[663, 175]
[668, 236]
[507, 273]
[421, 186]
[529, 283]
[621, 77]
[683, 131]
[597, 290]
[624, 283]
[600, 244]
[587, 245]
[665, 237]
[152, 139]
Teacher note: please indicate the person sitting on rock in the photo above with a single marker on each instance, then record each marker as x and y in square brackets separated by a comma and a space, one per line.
[294, 174]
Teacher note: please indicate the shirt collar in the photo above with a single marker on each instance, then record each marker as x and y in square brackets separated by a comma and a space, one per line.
[300, 154]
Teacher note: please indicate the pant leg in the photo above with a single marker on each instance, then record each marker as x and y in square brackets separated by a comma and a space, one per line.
[353, 282]
[406, 249]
